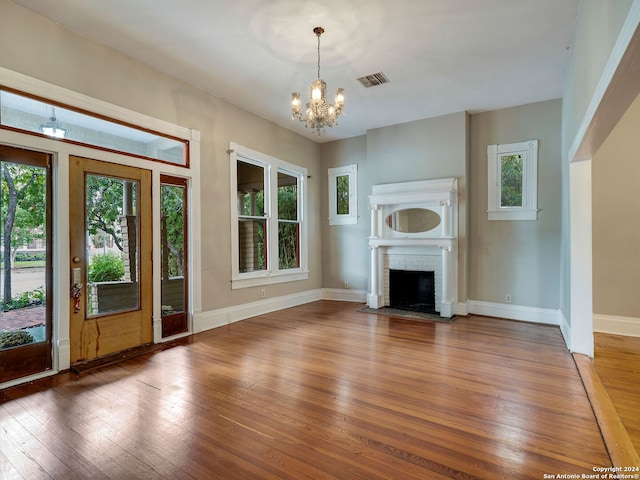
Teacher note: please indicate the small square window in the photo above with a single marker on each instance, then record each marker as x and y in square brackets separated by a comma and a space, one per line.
[513, 181]
[343, 197]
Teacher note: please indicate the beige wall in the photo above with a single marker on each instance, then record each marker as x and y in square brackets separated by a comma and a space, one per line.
[39, 48]
[520, 258]
[616, 220]
[344, 247]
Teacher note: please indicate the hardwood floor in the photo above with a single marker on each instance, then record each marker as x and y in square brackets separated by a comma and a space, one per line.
[319, 391]
[617, 361]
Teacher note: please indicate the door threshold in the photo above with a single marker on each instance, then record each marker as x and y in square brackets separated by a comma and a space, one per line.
[110, 359]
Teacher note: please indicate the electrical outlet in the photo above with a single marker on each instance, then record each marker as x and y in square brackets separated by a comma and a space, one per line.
[263, 293]
[507, 298]
[346, 284]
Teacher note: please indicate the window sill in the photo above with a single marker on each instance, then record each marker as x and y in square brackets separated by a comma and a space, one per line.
[242, 281]
[343, 220]
[513, 215]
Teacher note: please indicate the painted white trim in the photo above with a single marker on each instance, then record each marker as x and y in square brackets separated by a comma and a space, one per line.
[565, 329]
[515, 312]
[461, 308]
[620, 47]
[616, 325]
[24, 83]
[344, 295]
[529, 208]
[216, 318]
[350, 171]
[581, 258]
[30, 378]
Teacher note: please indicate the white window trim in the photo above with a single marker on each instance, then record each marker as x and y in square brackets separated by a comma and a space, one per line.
[352, 217]
[529, 208]
[272, 165]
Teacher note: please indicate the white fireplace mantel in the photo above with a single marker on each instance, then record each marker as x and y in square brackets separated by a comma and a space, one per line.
[439, 196]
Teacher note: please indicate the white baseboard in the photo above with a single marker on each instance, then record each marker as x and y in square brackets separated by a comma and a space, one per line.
[615, 325]
[344, 295]
[216, 318]
[515, 312]
[461, 308]
[565, 328]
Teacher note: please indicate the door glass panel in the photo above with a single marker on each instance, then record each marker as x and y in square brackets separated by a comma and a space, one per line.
[112, 245]
[23, 246]
[173, 248]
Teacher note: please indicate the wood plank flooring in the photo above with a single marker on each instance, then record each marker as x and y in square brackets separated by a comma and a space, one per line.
[617, 361]
[319, 391]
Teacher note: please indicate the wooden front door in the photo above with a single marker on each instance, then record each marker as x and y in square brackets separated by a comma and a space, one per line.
[111, 269]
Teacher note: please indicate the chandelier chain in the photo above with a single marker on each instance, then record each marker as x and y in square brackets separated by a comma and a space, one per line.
[319, 53]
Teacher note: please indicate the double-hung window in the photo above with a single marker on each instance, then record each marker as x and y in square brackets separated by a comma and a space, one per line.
[269, 240]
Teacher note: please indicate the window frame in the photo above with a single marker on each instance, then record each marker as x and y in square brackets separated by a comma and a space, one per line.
[529, 208]
[350, 171]
[272, 274]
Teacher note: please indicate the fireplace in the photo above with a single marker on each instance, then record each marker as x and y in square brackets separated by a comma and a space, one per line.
[414, 227]
[412, 290]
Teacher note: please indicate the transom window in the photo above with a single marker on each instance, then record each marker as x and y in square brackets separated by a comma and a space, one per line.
[268, 231]
[36, 116]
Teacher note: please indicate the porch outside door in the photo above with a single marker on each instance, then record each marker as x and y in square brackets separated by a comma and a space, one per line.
[111, 265]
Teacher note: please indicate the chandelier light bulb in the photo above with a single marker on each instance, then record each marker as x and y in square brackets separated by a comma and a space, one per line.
[53, 129]
[319, 112]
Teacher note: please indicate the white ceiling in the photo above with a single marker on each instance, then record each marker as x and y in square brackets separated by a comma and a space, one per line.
[441, 56]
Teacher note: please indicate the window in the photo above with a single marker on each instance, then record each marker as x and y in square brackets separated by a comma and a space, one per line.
[513, 181]
[268, 215]
[343, 195]
[35, 116]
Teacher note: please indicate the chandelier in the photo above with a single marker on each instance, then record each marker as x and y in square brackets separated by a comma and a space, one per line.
[319, 113]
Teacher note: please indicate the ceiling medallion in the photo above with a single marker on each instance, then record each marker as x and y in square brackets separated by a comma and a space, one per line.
[319, 113]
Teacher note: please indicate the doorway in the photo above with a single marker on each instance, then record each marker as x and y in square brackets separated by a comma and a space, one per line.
[26, 263]
[110, 258]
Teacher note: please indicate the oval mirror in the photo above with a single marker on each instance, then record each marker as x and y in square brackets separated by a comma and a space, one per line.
[413, 220]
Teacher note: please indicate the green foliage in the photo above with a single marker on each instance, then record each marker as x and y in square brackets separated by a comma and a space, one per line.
[288, 202]
[172, 205]
[342, 194]
[511, 181]
[28, 184]
[23, 194]
[30, 257]
[288, 245]
[107, 267]
[104, 199]
[25, 299]
[15, 339]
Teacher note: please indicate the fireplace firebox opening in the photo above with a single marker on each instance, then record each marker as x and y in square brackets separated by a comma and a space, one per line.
[412, 290]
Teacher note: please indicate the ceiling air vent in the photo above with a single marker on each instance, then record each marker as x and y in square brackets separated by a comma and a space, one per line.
[373, 80]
